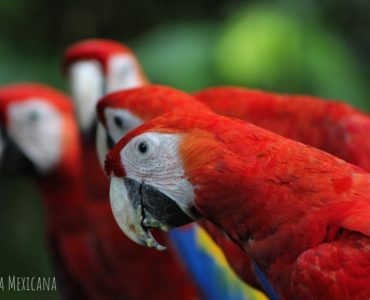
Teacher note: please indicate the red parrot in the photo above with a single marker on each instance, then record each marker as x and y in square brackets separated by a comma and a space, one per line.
[301, 214]
[95, 67]
[332, 126]
[92, 259]
[123, 111]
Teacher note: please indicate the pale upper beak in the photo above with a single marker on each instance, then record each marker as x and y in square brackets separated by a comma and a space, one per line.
[103, 143]
[87, 87]
[127, 209]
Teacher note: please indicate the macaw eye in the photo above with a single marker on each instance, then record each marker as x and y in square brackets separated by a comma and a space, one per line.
[34, 116]
[118, 121]
[143, 147]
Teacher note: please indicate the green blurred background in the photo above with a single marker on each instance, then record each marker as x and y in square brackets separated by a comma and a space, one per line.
[319, 47]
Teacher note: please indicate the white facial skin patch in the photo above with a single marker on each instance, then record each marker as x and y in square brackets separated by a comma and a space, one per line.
[123, 73]
[120, 122]
[101, 144]
[87, 87]
[36, 127]
[160, 167]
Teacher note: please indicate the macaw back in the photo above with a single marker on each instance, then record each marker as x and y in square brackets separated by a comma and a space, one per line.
[331, 126]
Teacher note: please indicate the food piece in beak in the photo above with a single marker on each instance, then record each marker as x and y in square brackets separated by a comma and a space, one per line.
[104, 143]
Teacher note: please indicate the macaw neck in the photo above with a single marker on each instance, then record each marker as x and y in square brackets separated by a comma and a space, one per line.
[63, 195]
[235, 256]
[95, 182]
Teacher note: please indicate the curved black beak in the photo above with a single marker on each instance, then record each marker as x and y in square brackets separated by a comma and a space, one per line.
[89, 134]
[104, 143]
[161, 207]
[13, 161]
[109, 141]
[138, 207]
[2, 143]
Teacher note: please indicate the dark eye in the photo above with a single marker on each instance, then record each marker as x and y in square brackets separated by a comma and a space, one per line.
[34, 116]
[118, 121]
[143, 147]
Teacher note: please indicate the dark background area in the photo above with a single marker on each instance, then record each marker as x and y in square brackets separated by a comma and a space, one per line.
[318, 47]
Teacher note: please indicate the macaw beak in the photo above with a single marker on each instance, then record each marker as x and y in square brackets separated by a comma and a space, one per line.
[104, 143]
[13, 160]
[87, 81]
[138, 208]
[89, 133]
[2, 143]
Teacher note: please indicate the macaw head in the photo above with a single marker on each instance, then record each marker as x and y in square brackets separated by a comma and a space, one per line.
[39, 131]
[96, 67]
[123, 111]
[161, 170]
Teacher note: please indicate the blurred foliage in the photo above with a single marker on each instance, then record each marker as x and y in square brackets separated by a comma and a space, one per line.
[185, 62]
[271, 48]
[23, 250]
[27, 65]
[318, 47]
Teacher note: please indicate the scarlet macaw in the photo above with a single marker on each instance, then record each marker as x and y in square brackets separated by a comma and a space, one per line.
[302, 214]
[332, 126]
[95, 67]
[123, 111]
[92, 259]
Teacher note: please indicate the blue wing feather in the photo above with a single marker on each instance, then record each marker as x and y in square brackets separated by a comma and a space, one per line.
[208, 266]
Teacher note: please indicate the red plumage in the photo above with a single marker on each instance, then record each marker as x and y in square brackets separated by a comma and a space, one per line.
[93, 49]
[332, 126]
[26, 91]
[99, 50]
[150, 101]
[300, 213]
[93, 259]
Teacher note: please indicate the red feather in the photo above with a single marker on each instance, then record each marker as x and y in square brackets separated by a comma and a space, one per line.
[93, 49]
[332, 126]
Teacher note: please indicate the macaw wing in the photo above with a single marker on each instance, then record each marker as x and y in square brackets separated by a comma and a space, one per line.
[339, 269]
